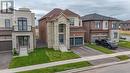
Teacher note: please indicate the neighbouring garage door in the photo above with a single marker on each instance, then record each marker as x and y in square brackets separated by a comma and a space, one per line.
[5, 45]
[77, 41]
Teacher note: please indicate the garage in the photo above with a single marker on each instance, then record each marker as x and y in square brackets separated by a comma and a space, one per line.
[5, 45]
[76, 41]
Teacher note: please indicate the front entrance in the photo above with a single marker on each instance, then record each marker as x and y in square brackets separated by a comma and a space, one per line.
[23, 41]
[23, 45]
[76, 41]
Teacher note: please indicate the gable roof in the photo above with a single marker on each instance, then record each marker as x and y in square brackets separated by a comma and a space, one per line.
[125, 22]
[56, 12]
[97, 17]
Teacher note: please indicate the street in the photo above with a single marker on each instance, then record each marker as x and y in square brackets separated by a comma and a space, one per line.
[120, 68]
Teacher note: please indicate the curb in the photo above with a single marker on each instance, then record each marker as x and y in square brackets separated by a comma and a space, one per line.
[93, 67]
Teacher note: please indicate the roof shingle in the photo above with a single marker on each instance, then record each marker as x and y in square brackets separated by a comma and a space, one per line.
[97, 17]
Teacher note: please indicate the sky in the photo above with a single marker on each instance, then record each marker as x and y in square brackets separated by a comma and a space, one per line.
[115, 8]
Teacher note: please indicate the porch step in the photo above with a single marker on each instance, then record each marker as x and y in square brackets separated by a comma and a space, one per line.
[63, 48]
[23, 51]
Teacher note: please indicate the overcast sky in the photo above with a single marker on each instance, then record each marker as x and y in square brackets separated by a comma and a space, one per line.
[115, 8]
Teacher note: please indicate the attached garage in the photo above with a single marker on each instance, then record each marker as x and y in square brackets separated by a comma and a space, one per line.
[76, 41]
[5, 45]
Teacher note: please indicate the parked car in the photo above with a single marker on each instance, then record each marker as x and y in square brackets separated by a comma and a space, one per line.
[123, 38]
[107, 43]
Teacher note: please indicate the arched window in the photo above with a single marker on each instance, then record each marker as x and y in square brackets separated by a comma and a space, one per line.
[22, 24]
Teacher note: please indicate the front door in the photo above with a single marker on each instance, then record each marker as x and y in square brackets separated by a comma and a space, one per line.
[23, 41]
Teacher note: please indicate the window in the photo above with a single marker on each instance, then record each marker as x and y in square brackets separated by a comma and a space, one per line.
[97, 24]
[22, 24]
[7, 23]
[106, 24]
[61, 38]
[114, 26]
[61, 28]
[7, 6]
[115, 35]
[71, 21]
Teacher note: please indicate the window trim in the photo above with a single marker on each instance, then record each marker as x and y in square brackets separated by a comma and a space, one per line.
[22, 26]
[6, 23]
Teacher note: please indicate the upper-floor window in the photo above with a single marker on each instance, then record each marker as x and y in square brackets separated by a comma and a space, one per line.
[7, 23]
[61, 28]
[7, 6]
[106, 24]
[71, 21]
[114, 26]
[97, 24]
[22, 24]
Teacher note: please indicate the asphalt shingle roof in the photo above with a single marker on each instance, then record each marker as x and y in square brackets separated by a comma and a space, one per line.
[97, 17]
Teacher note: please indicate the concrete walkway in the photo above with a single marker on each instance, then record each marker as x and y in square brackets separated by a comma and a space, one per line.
[33, 67]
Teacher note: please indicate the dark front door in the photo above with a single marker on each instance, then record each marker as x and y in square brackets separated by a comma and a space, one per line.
[23, 40]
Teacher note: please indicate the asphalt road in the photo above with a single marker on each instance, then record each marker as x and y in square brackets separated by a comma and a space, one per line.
[120, 68]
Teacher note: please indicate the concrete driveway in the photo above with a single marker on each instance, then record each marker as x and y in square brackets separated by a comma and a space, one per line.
[83, 52]
[5, 59]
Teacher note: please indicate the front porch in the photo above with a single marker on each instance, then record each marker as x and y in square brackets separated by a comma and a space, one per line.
[22, 43]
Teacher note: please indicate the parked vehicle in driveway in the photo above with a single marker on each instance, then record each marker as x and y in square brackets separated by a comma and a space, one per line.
[107, 43]
[123, 38]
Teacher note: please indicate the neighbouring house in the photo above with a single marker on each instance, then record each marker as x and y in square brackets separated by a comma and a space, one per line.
[100, 27]
[37, 32]
[61, 29]
[17, 31]
[125, 25]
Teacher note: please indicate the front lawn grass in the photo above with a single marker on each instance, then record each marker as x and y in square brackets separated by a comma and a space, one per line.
[60, 68]
[58, 56]
[107, 51]
[125, 44]
[123, 57]
[100, 48]
[41, 55]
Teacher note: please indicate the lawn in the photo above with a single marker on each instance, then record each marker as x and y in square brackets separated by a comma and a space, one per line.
[100, 48]
[41, 55]
[107, 51]
[60, 68]
[125, 44]
[123, 57]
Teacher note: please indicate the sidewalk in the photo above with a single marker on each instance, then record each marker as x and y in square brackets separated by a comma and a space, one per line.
[32, 67]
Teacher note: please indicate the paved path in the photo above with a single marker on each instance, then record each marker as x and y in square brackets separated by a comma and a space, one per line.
[5, 59]
[86, 51]
[121, 68]
[63, 62]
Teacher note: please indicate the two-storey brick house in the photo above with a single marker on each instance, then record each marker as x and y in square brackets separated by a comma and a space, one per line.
[125, 25]
[17, 31]
[100, 27]
[61, 29]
